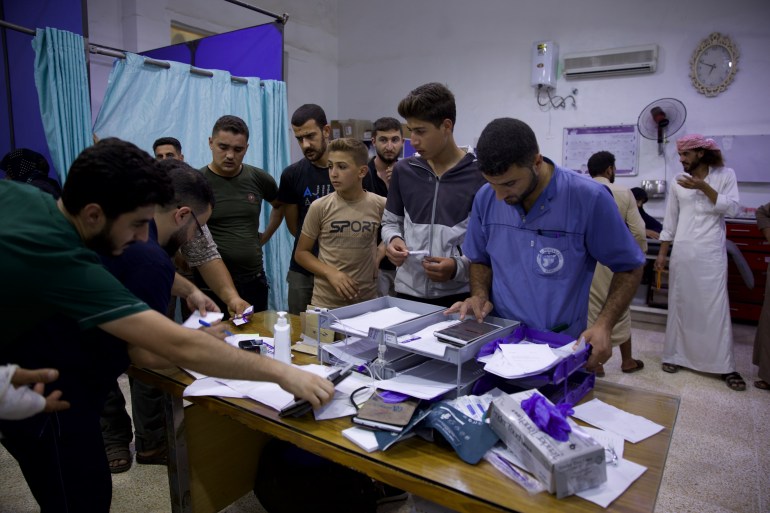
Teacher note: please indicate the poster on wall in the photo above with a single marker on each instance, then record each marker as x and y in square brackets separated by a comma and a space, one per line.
[620, 140]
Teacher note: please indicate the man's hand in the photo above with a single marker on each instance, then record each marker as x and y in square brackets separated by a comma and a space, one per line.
[477, 305]
[652, 234]
[39, 377]
[660, 262]
[216, 330]
[397, 251]
[306, 385]
[692, 182]
[345, 286]
[237, 305]
[599, 338]
[439, 268]
[197, 300]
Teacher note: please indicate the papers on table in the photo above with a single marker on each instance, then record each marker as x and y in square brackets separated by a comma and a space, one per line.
[364, 438]
[512, 361]
[360, 325]
[633, 428]
[608, 439]
[431, 379]
[194, 320]
[424, 341]
[619, 478]
[340, 405]
[206, 386]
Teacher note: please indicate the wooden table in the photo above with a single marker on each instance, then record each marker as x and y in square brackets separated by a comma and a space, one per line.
[215, 444]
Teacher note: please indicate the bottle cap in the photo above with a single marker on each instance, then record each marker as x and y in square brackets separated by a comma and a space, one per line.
[282, 321]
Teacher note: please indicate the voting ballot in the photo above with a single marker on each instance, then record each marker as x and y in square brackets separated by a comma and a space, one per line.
[564, 467]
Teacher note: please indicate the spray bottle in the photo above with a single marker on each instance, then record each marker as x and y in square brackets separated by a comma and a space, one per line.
[282, 339]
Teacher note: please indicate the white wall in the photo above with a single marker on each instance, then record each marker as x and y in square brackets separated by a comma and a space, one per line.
[357, 59]
[482, 51]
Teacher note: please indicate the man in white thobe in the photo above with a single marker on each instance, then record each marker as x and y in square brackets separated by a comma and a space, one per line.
[699, 330]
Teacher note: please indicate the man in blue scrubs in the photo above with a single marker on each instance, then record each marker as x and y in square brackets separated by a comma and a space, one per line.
[535, 234]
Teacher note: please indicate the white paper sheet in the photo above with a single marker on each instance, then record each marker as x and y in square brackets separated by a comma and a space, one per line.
[633, 428]
[360, 324]
[425, 342]
[364, 438]
[340, 405]
[270, 394]
[517, 360]
[431, 379]
[608, 439]
[619, 478]
[193, 321]
[209, 387]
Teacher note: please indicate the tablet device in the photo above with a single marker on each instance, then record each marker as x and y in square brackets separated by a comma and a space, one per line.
[465, 332]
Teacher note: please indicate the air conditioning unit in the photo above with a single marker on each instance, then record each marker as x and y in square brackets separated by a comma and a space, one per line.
[619, 61]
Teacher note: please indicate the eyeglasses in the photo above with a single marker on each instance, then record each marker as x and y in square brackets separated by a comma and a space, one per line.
[195, 218]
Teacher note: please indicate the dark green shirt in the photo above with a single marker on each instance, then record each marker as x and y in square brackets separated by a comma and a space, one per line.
[46, 269]
[234, 223]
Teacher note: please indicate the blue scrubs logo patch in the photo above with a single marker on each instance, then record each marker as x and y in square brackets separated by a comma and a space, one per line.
[550, 260]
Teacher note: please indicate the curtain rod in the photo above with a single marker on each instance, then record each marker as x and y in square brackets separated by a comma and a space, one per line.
[122, 55]
[162, 64]
[17, 28]
[280, 18]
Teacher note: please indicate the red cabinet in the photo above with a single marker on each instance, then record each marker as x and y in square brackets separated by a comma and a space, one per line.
[746, 303]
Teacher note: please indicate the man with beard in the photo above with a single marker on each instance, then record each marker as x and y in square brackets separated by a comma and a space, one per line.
[301, 184]
[148, 272]
[429, 202]
[239, 190]
[58, 284]
[699, 332]
[535, 234]
[601, 167]
[388, 141]
[200, 253]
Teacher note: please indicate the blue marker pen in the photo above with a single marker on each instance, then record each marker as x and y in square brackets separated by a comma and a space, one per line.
[204, 323]
[228, 333]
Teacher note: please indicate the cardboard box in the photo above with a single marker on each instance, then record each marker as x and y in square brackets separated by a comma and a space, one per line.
[310, 328]
[336, 126]
[356, 128]
[564, 468]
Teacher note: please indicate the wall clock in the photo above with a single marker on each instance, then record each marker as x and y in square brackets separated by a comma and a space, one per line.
[713, 64]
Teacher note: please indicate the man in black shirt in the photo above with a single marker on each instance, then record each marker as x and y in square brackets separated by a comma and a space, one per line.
[652, 226]
[301, 184]
[388, 141]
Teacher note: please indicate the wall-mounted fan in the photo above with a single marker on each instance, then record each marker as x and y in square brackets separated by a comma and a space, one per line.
[661, 119]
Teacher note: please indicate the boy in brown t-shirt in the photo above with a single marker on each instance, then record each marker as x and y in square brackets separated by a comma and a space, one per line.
[345, 224]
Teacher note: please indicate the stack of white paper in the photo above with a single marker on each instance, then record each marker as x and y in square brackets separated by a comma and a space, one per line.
[360, 324]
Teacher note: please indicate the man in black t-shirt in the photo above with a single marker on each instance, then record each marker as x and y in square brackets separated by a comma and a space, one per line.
[301, 184]
[388, 141]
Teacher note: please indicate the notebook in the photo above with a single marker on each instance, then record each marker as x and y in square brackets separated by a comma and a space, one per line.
[377, 414]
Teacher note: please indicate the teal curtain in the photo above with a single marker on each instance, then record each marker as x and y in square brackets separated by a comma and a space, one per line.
[144, 102]
[62, 88]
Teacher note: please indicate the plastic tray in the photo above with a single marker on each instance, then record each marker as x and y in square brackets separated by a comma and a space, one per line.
[552, 376]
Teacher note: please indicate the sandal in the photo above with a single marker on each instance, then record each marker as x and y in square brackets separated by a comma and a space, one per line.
[117, 453]
[762, 384]
[639, 366]
[670, 368]
[734, 381]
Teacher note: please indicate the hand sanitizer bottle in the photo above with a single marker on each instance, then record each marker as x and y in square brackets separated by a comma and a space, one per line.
[282, 339]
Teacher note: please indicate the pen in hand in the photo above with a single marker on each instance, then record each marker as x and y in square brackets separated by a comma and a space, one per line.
[208, 325]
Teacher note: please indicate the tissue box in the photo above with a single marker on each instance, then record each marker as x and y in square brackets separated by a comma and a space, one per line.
[564, 468]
